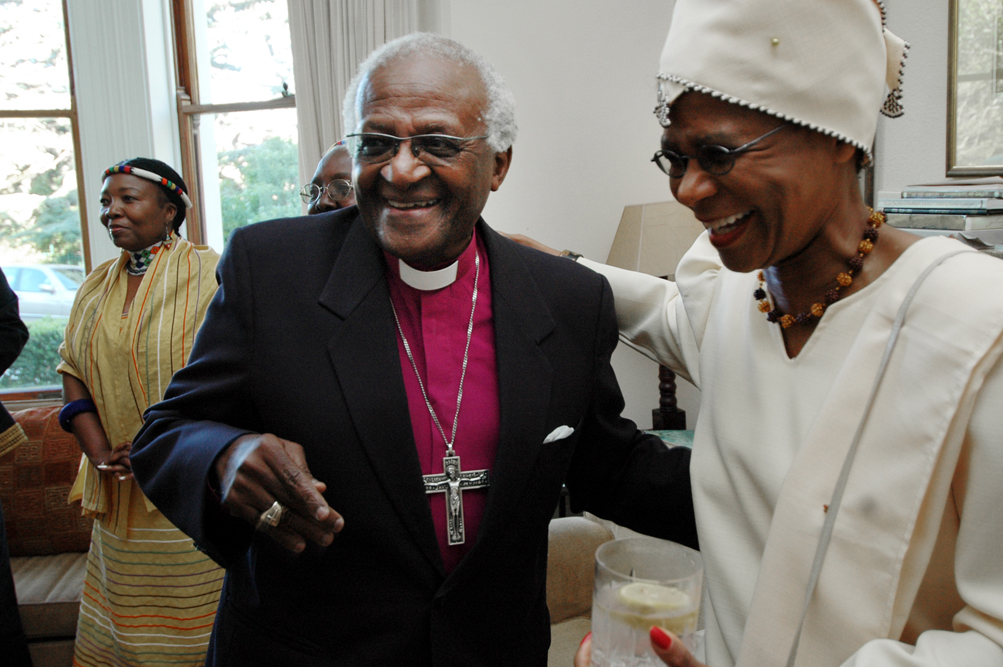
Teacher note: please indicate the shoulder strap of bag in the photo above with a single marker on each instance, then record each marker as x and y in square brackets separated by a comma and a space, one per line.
[844, 474]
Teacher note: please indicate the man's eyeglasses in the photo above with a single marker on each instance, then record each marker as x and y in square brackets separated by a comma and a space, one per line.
[713, 159]
[432, 149]
[336, 190]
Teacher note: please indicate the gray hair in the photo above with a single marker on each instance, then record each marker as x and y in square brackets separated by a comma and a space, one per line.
[500, 114]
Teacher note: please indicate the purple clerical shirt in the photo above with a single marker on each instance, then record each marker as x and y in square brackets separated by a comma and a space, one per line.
[435, 324]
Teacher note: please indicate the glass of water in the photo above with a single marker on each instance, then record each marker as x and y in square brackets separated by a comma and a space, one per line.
[641, 582]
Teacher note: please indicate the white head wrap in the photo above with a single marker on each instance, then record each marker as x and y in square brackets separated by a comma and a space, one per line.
[823, 64]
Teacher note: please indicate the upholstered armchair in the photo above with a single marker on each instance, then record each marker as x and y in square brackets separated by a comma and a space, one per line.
[570, 573]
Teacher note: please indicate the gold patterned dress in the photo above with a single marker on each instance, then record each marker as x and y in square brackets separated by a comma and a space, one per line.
[149, 596]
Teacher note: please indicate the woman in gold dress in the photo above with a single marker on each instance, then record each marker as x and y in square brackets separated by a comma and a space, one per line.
[149, 595]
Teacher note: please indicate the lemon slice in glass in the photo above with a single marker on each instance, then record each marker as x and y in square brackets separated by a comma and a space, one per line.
[645, 598]
[650, 604]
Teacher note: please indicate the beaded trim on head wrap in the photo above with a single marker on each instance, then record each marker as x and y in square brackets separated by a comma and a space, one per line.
[797, 108]
[150, 176]
[662, 110]
[141, 260]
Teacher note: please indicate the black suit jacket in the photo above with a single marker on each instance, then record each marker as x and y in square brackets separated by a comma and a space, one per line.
[13, 336]
[300, 342]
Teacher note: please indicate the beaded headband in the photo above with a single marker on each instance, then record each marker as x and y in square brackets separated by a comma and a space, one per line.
[150, 176]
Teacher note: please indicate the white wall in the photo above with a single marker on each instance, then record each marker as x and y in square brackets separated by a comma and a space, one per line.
[912, 149]
[583, 76]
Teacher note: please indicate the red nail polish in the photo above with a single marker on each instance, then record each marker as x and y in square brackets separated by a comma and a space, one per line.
[584, 639]
[660, 637]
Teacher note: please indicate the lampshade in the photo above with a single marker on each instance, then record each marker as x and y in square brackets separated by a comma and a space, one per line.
[652, 238]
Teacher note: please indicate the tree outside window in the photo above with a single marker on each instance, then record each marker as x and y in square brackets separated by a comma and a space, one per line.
[41, 219]
[238, 113]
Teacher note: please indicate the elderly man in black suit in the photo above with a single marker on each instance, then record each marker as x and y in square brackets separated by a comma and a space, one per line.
[397, 401]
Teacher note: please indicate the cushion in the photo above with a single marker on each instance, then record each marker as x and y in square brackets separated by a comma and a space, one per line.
[35, 481]
[571, 566]
[565, 638]
[48, 593]
[52, 653]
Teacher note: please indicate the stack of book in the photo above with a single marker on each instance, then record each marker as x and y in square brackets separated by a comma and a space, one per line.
[959, 205]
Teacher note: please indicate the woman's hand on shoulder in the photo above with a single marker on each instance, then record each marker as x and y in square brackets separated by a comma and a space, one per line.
[531, 243]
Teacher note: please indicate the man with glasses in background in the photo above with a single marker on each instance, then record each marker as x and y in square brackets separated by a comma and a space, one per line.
[383, 403]
[331, 187]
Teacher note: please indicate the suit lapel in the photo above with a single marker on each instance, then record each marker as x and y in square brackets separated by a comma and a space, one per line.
[522, 321]
[363, 350]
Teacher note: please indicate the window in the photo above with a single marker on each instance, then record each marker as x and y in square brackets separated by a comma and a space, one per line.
[71, 278]
[42, 219]
[32, 280]
[237, 110]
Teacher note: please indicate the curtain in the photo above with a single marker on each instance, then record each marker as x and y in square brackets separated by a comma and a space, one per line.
[329, 40]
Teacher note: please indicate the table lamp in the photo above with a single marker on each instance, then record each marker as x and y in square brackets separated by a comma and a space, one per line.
[651, 239]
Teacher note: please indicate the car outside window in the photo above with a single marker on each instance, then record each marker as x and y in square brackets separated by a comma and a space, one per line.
[71, 278]
[31, 281]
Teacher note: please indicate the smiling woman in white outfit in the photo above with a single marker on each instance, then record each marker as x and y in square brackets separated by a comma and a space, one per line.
[847, 464]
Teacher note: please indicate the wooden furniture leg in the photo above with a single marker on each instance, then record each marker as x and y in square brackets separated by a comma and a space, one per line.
[667, 416]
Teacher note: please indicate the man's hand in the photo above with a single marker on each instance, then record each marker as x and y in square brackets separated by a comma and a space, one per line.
[665, 644]
[257, 470]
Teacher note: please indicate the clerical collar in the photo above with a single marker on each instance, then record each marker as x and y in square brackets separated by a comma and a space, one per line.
[427, 281]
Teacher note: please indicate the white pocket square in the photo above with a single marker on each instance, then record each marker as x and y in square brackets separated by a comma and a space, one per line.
[558, 433]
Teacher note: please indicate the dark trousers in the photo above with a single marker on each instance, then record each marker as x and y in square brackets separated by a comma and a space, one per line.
[13, 645]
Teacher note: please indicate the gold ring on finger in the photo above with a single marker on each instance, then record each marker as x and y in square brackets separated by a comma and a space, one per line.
[271, 516]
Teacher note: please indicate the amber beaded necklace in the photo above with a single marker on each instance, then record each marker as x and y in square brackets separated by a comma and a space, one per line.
[844, 279]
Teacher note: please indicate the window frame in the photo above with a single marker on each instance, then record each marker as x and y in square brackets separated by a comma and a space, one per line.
[190, 111]
[24, 397]
[71, 114]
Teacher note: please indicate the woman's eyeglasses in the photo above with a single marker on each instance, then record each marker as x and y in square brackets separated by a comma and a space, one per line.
[336, 190]
[432, 149]
[713, 159]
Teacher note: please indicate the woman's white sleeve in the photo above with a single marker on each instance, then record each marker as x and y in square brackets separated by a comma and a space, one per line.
[662, 319]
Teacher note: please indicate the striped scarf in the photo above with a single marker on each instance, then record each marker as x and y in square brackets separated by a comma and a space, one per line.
[127, 362]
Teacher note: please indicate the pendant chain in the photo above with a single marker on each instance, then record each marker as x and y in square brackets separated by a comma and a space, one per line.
[466, 357]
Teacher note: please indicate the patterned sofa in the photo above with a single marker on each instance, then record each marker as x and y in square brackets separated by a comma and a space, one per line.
[48, 539]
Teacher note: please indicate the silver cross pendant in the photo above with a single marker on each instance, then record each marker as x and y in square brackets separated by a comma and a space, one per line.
[452, 482]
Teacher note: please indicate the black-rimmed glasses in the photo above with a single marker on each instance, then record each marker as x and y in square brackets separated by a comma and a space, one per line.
[715, 160]
[374, 147]
[336, 190]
